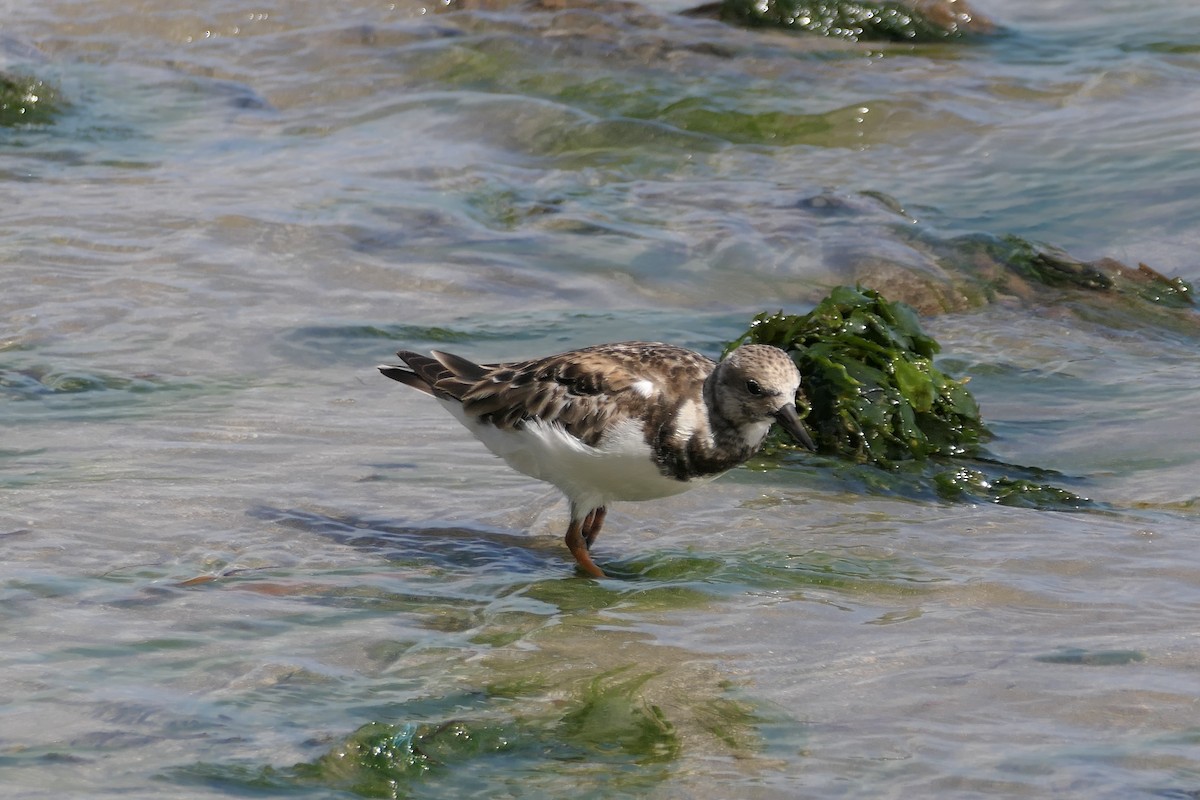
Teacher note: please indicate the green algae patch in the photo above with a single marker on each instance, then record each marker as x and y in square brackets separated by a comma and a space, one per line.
[378, 759]
[874, 397]
[606, 728]
[873, 391]
[1092, 658]
[1105, 291]
[1055, 268]
[963, 483]
[614, 718]
[636, 588]
[697, 115]
[26, 100]
[606, 734]
[916, 22]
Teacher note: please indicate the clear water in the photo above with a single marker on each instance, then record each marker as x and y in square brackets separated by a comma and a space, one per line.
[228, 544]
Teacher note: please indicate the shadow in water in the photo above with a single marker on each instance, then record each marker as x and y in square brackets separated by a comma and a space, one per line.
[445, 547]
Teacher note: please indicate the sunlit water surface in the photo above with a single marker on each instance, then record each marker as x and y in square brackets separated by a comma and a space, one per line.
[228, 544]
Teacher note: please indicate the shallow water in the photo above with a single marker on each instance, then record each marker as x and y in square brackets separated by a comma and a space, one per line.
[228, 544]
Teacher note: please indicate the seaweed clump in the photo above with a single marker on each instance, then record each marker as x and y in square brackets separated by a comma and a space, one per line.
[377, 758]
[886, 20]
[873, 391]
[25, 100]
[875, 397]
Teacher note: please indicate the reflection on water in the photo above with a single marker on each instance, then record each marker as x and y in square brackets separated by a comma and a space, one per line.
[236, 561]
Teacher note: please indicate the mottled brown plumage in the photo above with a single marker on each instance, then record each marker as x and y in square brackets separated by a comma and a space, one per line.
[574, 389]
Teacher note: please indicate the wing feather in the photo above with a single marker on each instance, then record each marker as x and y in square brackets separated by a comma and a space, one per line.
[578, 390]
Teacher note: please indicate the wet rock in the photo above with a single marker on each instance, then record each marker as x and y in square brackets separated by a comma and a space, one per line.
[890, 20]
[937, 274]
[27, 100]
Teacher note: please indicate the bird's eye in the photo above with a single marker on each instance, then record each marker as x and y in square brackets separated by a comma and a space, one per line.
[753, 388]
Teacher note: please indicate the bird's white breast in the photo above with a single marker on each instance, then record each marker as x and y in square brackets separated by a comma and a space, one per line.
[619, 468]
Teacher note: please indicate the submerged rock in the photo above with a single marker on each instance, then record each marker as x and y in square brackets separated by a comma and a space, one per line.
[999, 268]
[26, 100]
[938, 274]
[886, 20]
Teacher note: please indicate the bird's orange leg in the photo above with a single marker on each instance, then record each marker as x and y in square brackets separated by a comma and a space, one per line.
[593, 524]
[578, 547]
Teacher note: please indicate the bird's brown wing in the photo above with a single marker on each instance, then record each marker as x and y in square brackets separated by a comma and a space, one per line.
[585, 390]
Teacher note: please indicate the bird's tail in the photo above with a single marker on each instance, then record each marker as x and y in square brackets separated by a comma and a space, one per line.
[445, 375]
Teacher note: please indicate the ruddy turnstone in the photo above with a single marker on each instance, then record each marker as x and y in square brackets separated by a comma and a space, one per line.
[627, 421]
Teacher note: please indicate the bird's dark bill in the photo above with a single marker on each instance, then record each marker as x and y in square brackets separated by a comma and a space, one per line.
[791, 423]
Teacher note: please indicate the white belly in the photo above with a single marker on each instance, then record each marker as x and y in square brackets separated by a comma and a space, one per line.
[619, 469]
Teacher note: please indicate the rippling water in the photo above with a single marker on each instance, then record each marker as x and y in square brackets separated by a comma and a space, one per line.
[232, 552]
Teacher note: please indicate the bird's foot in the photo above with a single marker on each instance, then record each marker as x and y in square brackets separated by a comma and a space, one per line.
[578, 546]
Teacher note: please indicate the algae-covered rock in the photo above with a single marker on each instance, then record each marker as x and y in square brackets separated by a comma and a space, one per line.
[972, 483]
[25, 100]
[887, 20]
[938, 274]
[606, 731]
[377, 758]
[1105, 291]
[1053, 267]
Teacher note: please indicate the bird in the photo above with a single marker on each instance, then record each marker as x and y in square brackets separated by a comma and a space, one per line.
[614, 422]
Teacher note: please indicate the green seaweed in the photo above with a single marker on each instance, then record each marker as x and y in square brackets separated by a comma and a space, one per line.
[621, 106]
[873, 391]
[1011, 264]
[26, 100]
[613, 718]
[1054, 267]
[874, 396]
[378, 758]
[609, 733]
[967, 484]
[844, 19]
